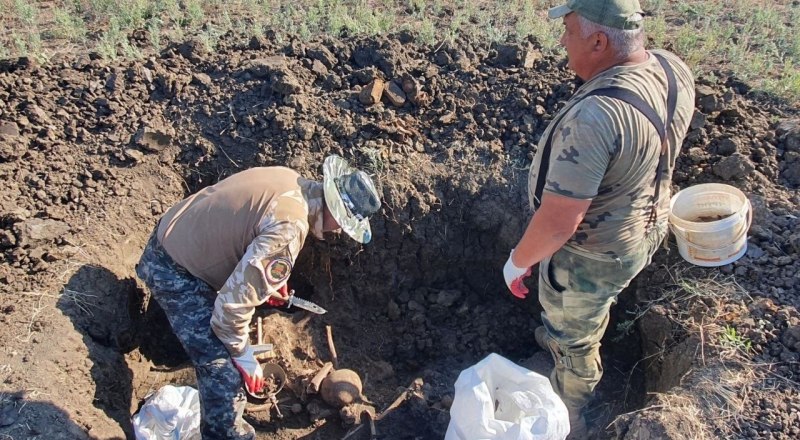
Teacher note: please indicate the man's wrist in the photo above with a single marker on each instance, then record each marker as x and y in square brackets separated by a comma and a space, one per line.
[240, 352]
[517, 265]
[511, 271]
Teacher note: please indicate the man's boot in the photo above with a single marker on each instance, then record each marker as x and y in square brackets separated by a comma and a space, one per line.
[546, 342]
[577, 423]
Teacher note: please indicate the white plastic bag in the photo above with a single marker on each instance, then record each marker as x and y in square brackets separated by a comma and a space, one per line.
[499, 400]
[171, 413]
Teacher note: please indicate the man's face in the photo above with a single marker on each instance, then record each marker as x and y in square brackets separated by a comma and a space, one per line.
[579, 49]
[329, 223]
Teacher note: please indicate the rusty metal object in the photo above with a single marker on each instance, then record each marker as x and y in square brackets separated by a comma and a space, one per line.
[274, 379]
[341, 387]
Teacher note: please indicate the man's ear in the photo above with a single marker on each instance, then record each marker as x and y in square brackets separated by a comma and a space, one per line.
[600, 42]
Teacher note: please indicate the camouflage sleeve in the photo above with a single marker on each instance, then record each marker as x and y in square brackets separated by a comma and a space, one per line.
[583, 146]
[264, 268]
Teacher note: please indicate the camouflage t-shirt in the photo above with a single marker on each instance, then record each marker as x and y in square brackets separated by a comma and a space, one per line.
[242, 237]
[606, 150]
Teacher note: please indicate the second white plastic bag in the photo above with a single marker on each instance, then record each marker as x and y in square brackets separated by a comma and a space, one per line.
[171, 413]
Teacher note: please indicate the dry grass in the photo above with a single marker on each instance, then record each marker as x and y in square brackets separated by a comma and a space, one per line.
[688, 289]
[34, 320]
[710, 403]
[683, 411]
[719, 301]
[723, 389]
[43, 302]
[5, 373]
[712, 400]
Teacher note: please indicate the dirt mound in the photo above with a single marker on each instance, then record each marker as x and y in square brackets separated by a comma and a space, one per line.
[92, 154]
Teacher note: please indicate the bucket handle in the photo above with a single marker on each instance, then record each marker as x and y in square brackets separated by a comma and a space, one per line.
[744, 230]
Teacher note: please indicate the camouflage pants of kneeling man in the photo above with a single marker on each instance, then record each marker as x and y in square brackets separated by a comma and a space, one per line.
[188, 303]
[576, 292]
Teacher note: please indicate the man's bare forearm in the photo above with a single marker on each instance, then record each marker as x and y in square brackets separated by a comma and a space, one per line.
[549, 229]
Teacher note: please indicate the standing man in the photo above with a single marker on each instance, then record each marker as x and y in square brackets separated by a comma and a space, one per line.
[599, 186]
[221, 252]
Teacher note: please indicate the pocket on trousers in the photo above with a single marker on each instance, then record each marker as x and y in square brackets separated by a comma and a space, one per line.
[652, 242]
[550, 275]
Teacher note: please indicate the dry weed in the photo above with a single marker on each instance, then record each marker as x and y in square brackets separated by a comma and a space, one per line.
[34, 321]
[44, 301]
[711, 400]
[685, 289]
[715, 398]
[686, 410]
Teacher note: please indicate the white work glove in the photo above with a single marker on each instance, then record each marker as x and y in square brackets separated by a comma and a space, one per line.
[515, 276]
[250, 369]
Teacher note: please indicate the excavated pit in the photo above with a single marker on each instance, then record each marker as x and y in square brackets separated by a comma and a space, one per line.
[424, 299]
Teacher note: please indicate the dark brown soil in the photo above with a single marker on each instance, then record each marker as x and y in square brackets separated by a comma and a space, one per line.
[710, 218]
[92, 153]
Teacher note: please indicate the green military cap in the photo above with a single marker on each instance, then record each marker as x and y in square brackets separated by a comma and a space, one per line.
[351, 197]
[619, 14]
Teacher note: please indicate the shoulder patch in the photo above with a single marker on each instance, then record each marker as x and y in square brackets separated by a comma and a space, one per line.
[278, 270]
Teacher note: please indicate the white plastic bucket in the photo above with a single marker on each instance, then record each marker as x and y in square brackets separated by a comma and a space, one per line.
[710, 222]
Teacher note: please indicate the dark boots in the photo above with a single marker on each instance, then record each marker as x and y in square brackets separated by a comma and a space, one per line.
[578, 429]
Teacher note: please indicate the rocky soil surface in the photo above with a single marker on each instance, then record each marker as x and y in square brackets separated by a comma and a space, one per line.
[92, 153]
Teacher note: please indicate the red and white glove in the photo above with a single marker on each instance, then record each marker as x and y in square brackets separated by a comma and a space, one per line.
[515, 276]
[274, 301]
[250, 369]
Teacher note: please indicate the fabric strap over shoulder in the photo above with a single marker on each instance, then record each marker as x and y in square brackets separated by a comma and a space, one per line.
[639, 104]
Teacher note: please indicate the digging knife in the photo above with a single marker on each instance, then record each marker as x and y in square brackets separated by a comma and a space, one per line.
[295, 301]
[304, 304]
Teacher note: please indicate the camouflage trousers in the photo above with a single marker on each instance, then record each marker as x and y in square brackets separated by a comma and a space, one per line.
[188, 302]
[577, 291]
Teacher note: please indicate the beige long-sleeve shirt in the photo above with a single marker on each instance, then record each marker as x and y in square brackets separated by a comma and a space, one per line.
[242, 236]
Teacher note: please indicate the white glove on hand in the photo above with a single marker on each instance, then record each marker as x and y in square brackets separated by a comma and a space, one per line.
[514, 277]
[250, 369]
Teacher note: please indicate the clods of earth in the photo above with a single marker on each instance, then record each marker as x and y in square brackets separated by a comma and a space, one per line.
[93, 152]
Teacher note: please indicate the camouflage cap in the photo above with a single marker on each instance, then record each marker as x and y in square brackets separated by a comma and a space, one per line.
[351, 197]
[619, 14]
